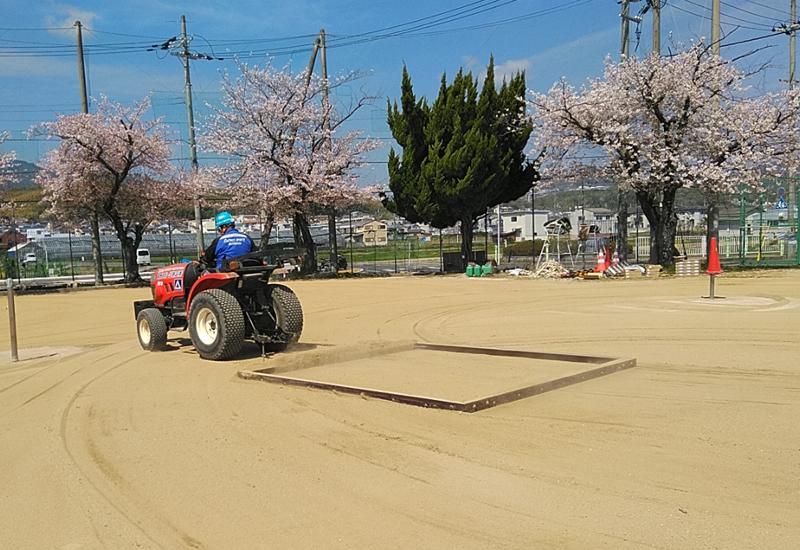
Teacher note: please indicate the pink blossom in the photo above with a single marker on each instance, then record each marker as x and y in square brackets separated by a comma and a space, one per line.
[285, 148]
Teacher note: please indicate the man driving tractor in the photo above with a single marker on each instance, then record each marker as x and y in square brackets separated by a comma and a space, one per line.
[230, 243]
[221, 309]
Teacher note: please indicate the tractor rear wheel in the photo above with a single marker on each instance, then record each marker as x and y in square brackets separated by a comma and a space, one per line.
[152, 329]
[216, 325]
[287, 310]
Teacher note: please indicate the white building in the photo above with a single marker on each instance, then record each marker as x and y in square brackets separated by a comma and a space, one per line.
[600, 220]
[519, 223]
[373, 233]
[34, 234]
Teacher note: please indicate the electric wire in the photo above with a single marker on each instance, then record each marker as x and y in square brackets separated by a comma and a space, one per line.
[733, 17]
[722, 17]
[773, 8]
[339, 41]
[749, 12]
[298, 43]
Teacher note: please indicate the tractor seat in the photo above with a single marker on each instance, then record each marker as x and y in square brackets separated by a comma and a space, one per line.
[251, 259]
[190, 276]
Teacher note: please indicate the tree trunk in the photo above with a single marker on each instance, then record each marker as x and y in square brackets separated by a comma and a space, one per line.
[659, 208]
[97, 253]
[333, 245]
[266, 231]
[466, 240]
[133, 262]
[303, 239]
[128, 246]
[622, 226]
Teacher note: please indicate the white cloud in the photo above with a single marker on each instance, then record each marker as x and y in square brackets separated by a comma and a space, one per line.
[470, 61]
[37, 66]
[509, 68]
[67, 15]
[567, 59]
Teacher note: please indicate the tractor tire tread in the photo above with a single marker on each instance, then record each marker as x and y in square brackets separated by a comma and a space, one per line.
[286, 300]
[229, 317]
[157, 327]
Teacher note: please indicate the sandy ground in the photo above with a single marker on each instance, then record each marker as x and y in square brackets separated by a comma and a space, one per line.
[106, 446]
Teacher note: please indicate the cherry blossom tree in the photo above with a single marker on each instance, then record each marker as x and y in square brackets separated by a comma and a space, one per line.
[113, 163]
[657, 124]
[286, 149]
[6, 161]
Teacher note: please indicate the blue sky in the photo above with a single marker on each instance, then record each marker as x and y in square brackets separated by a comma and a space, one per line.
[548, 39]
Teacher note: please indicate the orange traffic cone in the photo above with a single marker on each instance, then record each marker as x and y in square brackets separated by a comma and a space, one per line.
[601, 261]
[713, 259]
[615, 259]
[714, 268]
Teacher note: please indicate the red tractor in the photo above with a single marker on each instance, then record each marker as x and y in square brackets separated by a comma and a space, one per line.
[220, 308]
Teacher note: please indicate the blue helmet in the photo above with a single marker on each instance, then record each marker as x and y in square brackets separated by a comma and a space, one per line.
[223, 218]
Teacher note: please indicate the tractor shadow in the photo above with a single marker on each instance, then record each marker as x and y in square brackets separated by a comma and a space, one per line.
[249, 350]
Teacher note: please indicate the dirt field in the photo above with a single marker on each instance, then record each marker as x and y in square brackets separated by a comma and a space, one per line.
[105, 446]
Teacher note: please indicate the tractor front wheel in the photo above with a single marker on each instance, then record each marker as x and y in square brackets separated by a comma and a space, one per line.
[152, 329]
[216, 325]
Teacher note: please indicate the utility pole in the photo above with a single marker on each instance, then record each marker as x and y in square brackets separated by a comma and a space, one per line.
[622, 211]
[94, 222]
[712, 215]
[333, 245]
[715, 27]
[656, 26]
[497, 251]
[81, 70]
[182, 47]
[185, 55]
[533, 229]
[791, 29]
[323, 69]
[319, 46]
[626, 27]
[794, 27]
[312, 61]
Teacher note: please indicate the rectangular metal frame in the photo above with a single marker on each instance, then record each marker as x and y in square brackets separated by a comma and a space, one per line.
[605, 365]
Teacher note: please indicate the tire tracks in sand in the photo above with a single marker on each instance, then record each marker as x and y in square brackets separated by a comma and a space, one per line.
[104, 481]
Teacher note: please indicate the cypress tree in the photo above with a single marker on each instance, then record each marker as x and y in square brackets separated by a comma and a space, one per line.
[462, 154]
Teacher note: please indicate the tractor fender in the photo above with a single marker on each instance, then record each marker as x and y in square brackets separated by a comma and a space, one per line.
[206, 282]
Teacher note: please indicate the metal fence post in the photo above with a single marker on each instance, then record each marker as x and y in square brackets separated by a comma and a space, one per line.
[12, 319]
[71, 261]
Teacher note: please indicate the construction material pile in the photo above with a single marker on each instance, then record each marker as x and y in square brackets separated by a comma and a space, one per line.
[551, 270]
[519, 272]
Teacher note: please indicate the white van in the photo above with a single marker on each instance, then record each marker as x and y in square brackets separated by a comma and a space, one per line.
[30, 258]
[143, 256]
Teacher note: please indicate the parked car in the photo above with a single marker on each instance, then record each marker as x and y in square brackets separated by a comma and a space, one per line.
[143, 256]
[30, 258]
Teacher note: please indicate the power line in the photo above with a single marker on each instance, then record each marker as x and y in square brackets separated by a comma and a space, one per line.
[298, 43]
[684, 10]
[759, 4]
[733, 17]
[748, 12]
[746, 41]
[415, 32]
[443, 17]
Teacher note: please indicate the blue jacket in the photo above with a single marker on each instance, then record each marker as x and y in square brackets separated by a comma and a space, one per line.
[233, 243]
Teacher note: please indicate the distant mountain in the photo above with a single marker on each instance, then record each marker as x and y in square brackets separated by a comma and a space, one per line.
[23, 174]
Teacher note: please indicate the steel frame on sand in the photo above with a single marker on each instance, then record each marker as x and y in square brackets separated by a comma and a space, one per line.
[604, 366]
